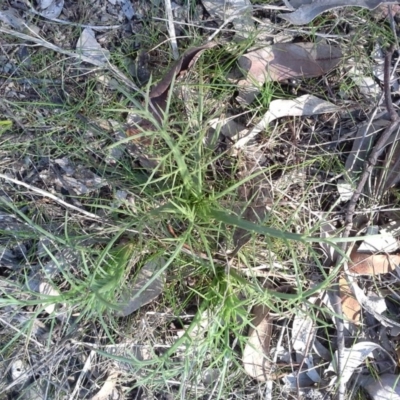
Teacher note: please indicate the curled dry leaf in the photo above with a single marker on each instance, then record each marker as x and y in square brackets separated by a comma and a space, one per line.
[159, 93]
[366, 134]
[365, 83]
[255, 355]
[351, 358]
[390, 175]
[297, 380]
[302, 106]
[303, 333]
[307, 11]
[378, 56]
[374, 305]
[372, 264]
[391, 228]
[384, 242]
[38, 285]
[327, 230]
[127, 9]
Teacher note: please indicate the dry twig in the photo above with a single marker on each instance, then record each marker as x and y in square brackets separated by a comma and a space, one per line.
[378, 149]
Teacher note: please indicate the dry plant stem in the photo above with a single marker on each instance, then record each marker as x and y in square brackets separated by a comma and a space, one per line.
[372, 160]
[171, 29]
[49, 196]
[378, 149]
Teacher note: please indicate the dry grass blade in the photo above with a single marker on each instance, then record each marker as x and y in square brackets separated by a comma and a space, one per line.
[49, 195]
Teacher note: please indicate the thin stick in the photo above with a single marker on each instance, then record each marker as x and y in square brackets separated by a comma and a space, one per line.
[50, 196]
[171, 29]
[379, 147]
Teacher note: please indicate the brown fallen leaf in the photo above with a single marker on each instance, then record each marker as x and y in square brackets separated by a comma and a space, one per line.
[372, 264]
[283, 61]
[159, 93]
[351, 308]
[256, 351]
[291, 60]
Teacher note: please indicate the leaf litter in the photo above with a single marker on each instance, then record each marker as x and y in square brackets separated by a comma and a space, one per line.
[126, 286]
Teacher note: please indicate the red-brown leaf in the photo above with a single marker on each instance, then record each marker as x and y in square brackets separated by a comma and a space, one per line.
[290, 60]
[372, 264]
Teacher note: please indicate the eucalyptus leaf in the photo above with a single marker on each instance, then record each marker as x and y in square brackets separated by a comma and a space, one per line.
[307, 11]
